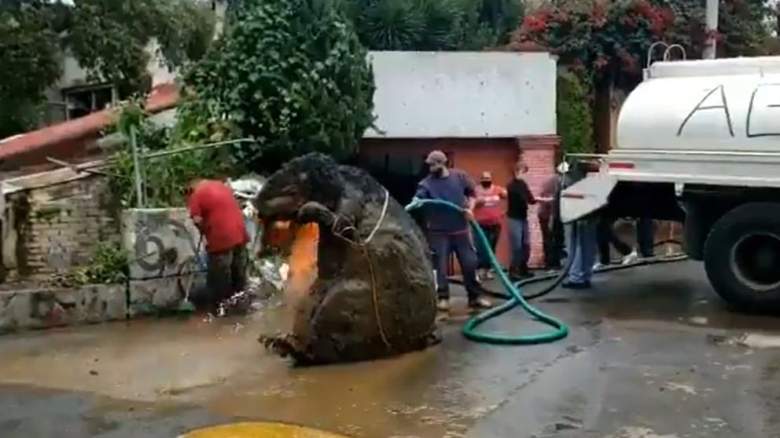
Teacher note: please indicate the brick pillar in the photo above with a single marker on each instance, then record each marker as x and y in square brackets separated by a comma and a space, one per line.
[540, 154]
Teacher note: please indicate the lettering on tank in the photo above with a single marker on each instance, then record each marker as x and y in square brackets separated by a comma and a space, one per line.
[710, 102]
[764, 100]
[761, 118]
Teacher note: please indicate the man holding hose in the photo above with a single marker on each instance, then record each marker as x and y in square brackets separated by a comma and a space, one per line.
[448, 230]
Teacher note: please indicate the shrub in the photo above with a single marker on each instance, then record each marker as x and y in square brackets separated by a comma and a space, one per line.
[575, 118]
[289, 73]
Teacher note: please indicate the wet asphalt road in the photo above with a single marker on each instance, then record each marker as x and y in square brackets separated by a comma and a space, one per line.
[653, 353]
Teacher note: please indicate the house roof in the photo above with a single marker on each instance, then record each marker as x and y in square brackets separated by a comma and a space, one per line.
[68, 139]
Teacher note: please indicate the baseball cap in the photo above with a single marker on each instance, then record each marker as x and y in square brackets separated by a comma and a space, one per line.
[436, 157]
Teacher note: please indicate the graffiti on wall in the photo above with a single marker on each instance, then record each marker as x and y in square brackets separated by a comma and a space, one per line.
[162, 243]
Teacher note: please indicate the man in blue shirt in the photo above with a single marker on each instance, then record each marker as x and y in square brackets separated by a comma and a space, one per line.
[448, 230]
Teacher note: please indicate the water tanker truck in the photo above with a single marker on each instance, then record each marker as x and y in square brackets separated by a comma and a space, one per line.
[699, 142]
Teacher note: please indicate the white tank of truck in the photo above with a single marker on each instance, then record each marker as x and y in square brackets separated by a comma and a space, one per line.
[722, 105]
[699, 142]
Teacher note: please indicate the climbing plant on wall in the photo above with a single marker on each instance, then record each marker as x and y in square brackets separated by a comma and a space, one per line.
[164, 177]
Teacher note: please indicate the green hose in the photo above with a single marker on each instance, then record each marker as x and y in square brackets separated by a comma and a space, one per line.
[470, 329]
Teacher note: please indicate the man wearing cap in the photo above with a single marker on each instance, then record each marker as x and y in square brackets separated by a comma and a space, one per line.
[448, 230]
[489, 214]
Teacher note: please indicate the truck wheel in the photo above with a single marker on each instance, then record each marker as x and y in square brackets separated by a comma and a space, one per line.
[742, 257]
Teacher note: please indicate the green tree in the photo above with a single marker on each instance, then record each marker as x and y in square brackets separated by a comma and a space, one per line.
[575, 119]
[433, 24]
[109, 38]
[608, 40]
[166, 175]
[29, 51]
[292, 74]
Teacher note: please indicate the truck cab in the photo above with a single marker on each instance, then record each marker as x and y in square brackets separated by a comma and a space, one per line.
[699, 142]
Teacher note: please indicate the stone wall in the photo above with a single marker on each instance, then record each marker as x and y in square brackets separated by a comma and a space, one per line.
[46, 308]
[53, 222]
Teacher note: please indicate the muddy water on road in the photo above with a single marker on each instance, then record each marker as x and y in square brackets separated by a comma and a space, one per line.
[218, 364]
[138, 360]
[638, 345]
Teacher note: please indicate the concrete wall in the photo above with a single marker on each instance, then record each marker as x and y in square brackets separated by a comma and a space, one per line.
[166, 258]
[463, 94]
[161, 242]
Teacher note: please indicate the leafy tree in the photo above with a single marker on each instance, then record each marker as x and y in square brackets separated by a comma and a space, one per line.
[389, 24]
[289, 73]
[433, 24]
[29, 51]
[488, 23]
[109, 38]
[743, 28]
[603, 41]
[608, 40]
[165, 176]
[575, 119]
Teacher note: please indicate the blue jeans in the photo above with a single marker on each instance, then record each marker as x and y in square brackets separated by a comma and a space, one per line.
[583, 249]
[443, 245]
[520, 242]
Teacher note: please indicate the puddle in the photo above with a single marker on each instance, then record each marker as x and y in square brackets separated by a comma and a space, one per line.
[749, 340]
[755, 340]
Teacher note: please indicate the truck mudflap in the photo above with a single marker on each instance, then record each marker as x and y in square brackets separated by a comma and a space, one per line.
[586, 196]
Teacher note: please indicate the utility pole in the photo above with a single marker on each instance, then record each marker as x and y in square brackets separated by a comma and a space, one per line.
[710, 47]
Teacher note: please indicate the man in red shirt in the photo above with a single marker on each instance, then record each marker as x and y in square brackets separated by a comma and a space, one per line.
[217, 215]
[489, 214]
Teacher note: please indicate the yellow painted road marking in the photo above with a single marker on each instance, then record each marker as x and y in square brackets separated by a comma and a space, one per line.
[258, 430]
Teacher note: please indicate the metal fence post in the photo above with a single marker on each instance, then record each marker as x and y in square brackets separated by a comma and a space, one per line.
[139, 193]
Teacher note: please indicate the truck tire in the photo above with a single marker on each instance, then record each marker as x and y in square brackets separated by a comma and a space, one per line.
[742, 257]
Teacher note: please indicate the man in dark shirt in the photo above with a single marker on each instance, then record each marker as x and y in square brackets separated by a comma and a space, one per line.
[519, 197]
[549, 222]
[448, 230]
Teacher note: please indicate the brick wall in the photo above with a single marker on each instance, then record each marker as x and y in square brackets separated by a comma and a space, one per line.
[54, 225]
[540, 154]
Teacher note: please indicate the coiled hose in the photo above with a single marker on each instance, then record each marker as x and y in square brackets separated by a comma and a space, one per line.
[558, 277]
[514, 297]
